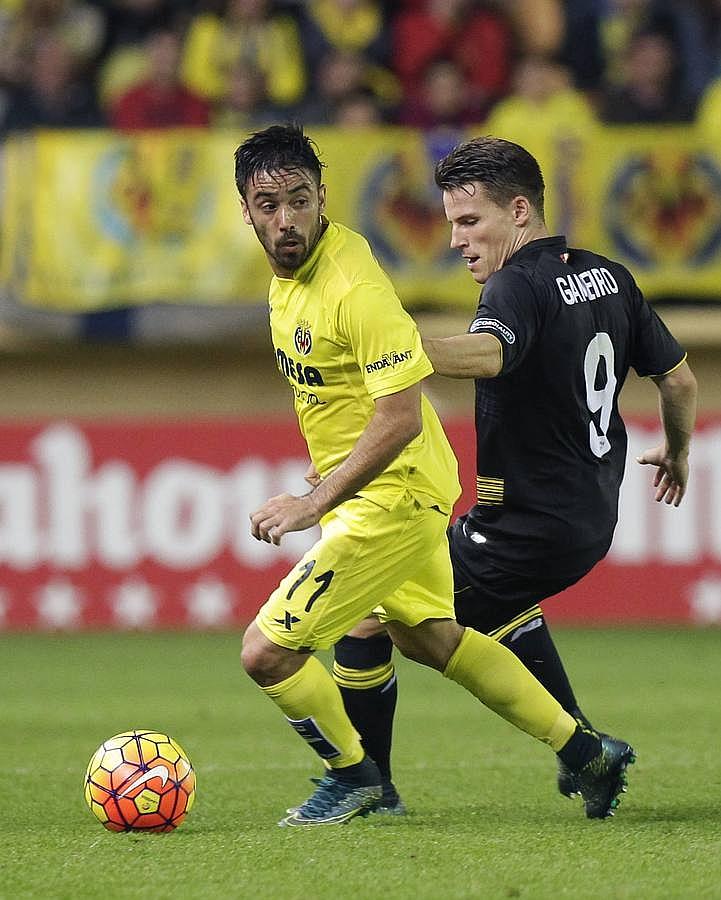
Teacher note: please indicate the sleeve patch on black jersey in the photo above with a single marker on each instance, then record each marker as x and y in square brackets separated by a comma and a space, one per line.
[489, 490]
[508, 336]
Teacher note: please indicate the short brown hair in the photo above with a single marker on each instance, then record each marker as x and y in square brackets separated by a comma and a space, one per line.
[506, 170]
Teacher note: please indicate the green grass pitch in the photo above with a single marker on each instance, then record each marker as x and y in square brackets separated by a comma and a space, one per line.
[485, 820]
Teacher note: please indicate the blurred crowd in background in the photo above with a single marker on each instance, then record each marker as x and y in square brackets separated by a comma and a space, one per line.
[136, 64]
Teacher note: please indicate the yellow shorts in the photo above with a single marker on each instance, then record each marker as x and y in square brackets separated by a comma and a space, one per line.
[368, 559]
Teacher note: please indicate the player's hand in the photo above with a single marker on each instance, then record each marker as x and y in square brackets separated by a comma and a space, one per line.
[671, 474]
[312, 476]
[282, 514]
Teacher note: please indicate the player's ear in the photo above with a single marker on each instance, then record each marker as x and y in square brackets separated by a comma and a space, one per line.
[321, 198]
[245, 211]
[521, 211]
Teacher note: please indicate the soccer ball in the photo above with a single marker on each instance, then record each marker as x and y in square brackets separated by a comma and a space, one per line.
[140, 781]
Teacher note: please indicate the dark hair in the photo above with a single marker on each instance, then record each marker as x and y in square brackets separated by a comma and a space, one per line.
[275, 148]
[504, 169]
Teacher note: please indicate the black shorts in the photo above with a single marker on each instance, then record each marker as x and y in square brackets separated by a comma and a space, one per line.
[488, 596]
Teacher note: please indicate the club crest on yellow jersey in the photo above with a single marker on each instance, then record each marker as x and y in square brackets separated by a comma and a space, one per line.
[302, 338]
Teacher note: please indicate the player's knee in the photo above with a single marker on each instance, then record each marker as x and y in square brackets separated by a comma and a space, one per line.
[268, 663]
[257, 656]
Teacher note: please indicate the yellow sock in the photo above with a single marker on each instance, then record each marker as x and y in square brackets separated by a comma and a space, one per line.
[313, 705]
[499, 680]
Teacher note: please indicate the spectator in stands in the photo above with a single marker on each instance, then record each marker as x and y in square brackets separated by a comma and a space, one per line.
[599, 36]
[342, 74]
[246, 105]
[79, 25]
[128, 24]
[55, 95]
[543, 104]
[248, 31]
[548, 116]
[358, 110]
[345, 25]
[445, 100]
[160, 100]
[357, 26]
[650, 89]
[539, 25]
[477, 38]
[23, 25]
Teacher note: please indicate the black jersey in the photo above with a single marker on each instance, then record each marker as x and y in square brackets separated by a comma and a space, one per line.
[551, 444]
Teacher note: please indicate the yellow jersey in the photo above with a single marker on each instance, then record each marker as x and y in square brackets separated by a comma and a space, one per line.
[342, 340]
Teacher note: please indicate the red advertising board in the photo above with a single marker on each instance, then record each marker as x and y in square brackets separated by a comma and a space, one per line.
[144, 524]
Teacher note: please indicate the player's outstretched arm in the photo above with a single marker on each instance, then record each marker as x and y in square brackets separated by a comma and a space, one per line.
[465, 355]
[397, 420]
[677, 403]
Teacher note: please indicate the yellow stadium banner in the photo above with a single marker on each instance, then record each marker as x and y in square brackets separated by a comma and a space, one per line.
[651, 198]
[95, 219]
[91, 220]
